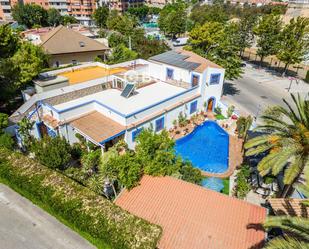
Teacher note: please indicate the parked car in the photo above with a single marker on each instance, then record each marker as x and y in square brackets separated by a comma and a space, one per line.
[180, 41]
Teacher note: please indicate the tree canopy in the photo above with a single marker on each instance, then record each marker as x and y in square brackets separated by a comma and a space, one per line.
[33, 15]
[100, 16]
[20, 62]
[54, 17]
[268, 31]
[173, 18]
[30, 15]
[294, 42]
[217, 42]
[9, 41]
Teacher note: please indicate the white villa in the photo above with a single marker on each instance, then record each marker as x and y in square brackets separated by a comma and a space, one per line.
[106, 103]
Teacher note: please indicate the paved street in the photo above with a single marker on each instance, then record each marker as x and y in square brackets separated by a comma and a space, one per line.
[25, 226]
[258, 89]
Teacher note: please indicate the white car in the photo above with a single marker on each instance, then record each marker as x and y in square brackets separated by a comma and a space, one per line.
[180, 41]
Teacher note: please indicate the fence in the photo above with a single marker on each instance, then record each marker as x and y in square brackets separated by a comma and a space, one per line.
[273, 63]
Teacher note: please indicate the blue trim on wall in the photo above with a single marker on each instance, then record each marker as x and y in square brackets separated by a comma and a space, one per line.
[214, 75]
[167, 70]
[112, 137]
[198, 79]
[193, 106]
[158, 122]
[37, 125]
[160, 102]
[113, 110]
[135, 133]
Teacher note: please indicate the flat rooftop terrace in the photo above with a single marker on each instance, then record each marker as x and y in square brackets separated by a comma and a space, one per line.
[90, 73]
[144, 97]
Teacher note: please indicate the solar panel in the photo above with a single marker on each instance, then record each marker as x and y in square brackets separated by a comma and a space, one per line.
[175, 59]
[127, 90]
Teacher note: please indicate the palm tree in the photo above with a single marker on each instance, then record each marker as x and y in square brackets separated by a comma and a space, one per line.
[298, 227]
[243, 126]
[285, 139]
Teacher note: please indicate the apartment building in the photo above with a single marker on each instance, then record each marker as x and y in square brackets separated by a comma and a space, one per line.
[80, 9]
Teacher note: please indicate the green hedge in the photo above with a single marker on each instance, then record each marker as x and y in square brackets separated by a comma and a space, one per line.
[89, 212]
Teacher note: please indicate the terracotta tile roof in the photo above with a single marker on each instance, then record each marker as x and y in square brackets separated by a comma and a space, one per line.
[62, 40]
[97, 126]
[292, 207]
[204, 63]
[194, 217]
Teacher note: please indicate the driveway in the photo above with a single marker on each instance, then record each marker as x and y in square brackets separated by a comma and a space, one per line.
[258, 89]
[25, 226]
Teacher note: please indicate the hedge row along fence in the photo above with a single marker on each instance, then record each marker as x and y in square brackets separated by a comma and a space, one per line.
[78, 205]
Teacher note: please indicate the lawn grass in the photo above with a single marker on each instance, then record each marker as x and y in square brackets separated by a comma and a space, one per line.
[226, 184]
[219, 117]
[94, 241]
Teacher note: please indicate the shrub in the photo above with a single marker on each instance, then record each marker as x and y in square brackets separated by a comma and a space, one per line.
[4, 121]
[90, 161]
[127, 168]
[155, 151]
[52, 152]
[218, 110]
[243, 126]
[6, 141]
[182, 120]
[230, 111]
[307, 76]
[242, 185]
[90, 213]
[77, 151]
[190, 174]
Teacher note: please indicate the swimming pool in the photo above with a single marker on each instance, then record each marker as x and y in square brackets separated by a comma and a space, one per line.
[207, 147]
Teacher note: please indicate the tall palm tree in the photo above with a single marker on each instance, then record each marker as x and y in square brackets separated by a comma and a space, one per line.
[285, 139]
[297, 228]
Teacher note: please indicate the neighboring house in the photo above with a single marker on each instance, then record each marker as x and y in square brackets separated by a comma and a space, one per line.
[195, 217]
[106, 103]
[66, 46]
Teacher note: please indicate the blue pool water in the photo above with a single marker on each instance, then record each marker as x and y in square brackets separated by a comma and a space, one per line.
[207, 147]
[213, 183]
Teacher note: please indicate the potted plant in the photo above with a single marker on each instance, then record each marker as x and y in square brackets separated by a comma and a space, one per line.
[175, 124]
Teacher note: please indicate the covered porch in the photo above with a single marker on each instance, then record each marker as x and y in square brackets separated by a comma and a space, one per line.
[99, 129]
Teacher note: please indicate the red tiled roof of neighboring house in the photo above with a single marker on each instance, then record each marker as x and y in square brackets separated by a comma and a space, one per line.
[193, 217]
[292, 207]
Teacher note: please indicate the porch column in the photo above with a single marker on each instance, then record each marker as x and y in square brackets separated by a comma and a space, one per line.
[102, 149]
